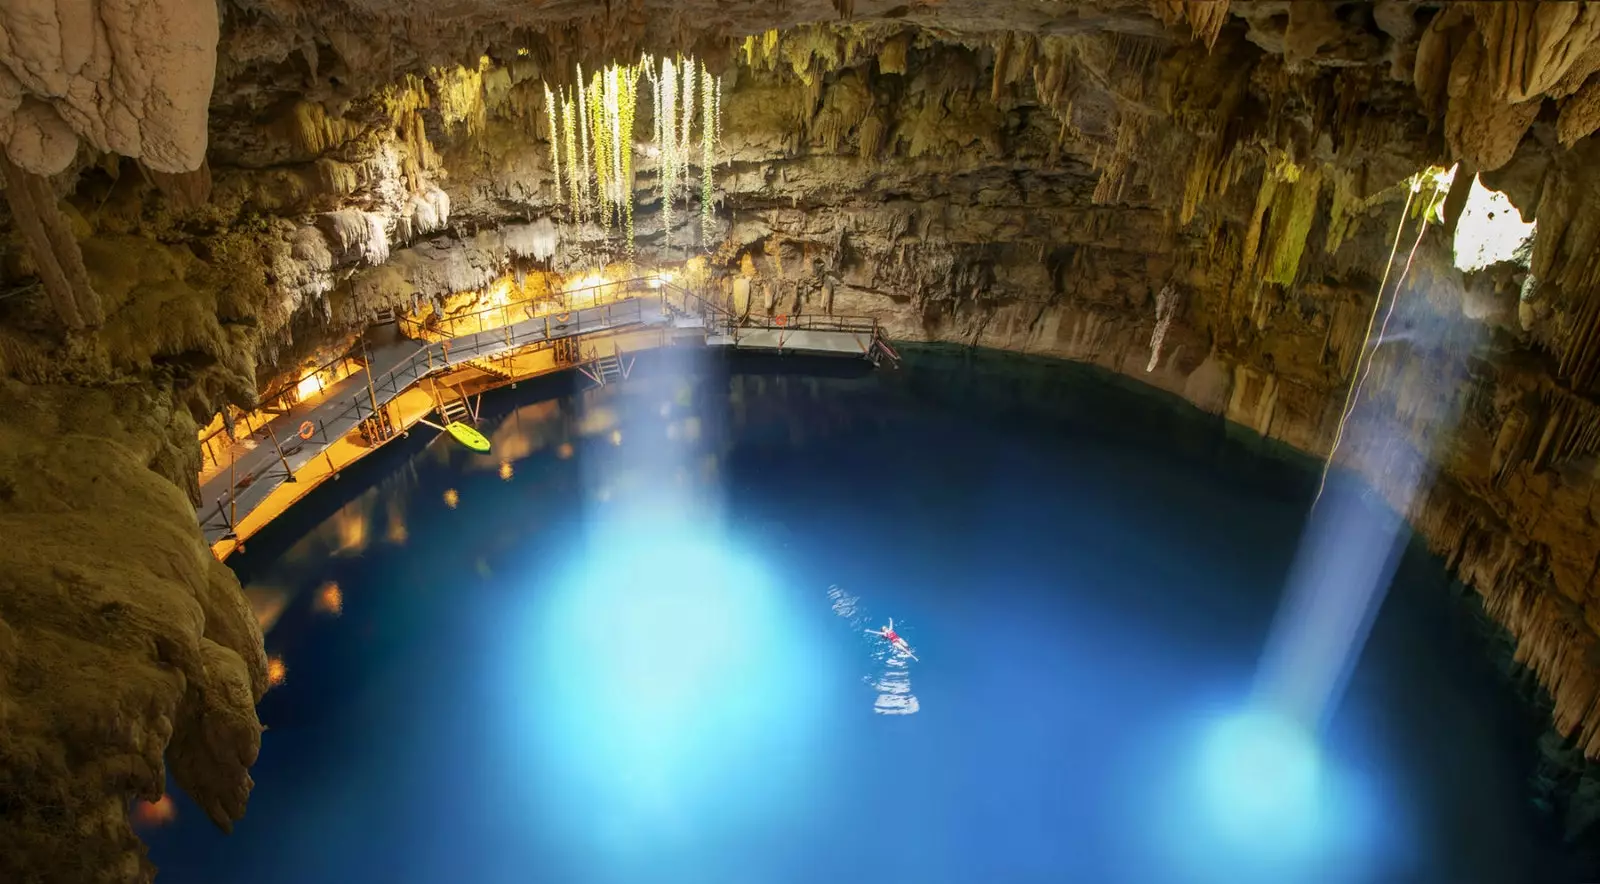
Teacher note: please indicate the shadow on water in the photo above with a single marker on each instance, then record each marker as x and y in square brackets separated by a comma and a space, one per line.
[1085, 568]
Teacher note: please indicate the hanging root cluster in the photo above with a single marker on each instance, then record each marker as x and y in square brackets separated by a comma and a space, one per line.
[1426, 191]
[591, 131]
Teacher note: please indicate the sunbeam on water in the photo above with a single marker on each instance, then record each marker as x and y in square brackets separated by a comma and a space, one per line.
[655, 688]
[1248, 795]
[1260, 776]
[669, 684]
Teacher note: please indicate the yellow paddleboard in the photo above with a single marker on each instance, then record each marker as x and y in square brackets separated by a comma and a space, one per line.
[468, 436]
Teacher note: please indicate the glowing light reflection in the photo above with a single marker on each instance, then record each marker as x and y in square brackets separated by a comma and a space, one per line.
[1261, 775]
[309, 386]
[647, 690]
[330, 599]
[277, 672]
[152, 814]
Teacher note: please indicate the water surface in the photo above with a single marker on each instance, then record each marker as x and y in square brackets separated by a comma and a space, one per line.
[629, 646]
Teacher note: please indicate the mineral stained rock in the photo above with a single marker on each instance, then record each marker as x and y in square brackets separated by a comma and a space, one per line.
[1202, 195]
[127, 650]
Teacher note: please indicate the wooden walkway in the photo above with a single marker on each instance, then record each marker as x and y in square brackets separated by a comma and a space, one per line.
[314, 439]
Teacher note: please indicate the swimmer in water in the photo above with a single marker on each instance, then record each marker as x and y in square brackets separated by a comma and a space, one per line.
[893, 638]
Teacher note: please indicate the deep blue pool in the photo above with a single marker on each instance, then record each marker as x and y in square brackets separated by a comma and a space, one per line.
[629, 646]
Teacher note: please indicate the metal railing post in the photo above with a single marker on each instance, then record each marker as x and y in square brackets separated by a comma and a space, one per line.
[281, 458]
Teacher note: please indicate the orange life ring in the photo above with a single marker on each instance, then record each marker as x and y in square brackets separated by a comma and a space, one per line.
[780, 320]
[561, 318]
[306, 429]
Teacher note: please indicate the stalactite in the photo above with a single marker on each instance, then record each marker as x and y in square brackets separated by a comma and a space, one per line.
[461, 98]
[1050, 73]
[186, 190]
[1205, 17]
[1552, 637]
[1279, 169]
[1291, 225]
[55, 251]
[1113, 165]
[1002, 57]
[1166, 306]
[314, 132]
[1571, 429]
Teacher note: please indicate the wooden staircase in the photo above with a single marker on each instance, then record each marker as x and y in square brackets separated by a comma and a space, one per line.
[456, 407]
[488, 366]
[608, 369]
[455, 410]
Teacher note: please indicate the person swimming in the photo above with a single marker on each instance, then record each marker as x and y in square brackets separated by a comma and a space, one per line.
[893, 638]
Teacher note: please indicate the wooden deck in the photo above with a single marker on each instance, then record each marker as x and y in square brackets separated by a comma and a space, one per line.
[405, 380]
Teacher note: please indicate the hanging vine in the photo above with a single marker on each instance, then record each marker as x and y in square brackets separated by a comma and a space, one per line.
[596, 120]
[710, 115]
[667, 141]
[569, 131]
[555, 140]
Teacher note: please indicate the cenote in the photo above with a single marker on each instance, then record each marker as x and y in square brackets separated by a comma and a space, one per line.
[629, 645]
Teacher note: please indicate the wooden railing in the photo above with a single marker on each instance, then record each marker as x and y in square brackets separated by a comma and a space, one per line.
[502, 316]
[633, 303]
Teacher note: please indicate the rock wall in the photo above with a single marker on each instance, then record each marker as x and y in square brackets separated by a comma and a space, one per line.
[127, 652]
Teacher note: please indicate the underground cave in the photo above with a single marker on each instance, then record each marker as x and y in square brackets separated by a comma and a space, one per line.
[725, 441]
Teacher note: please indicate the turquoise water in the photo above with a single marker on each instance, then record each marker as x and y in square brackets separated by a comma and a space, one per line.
[644, 658]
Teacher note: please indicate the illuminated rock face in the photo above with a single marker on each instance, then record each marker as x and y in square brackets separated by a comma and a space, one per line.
[127, 652]
[1200, 195]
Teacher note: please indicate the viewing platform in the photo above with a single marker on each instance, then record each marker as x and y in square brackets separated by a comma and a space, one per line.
[432, 367]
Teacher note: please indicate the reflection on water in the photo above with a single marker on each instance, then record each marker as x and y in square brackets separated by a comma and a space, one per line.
[396, 532]
[894, 689]
[150, 814]
[527, 431]
[330, 599]
[277, 672]
[267, 603]
[351, 527]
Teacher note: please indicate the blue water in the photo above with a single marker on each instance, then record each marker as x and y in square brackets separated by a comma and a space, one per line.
[623, 663]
